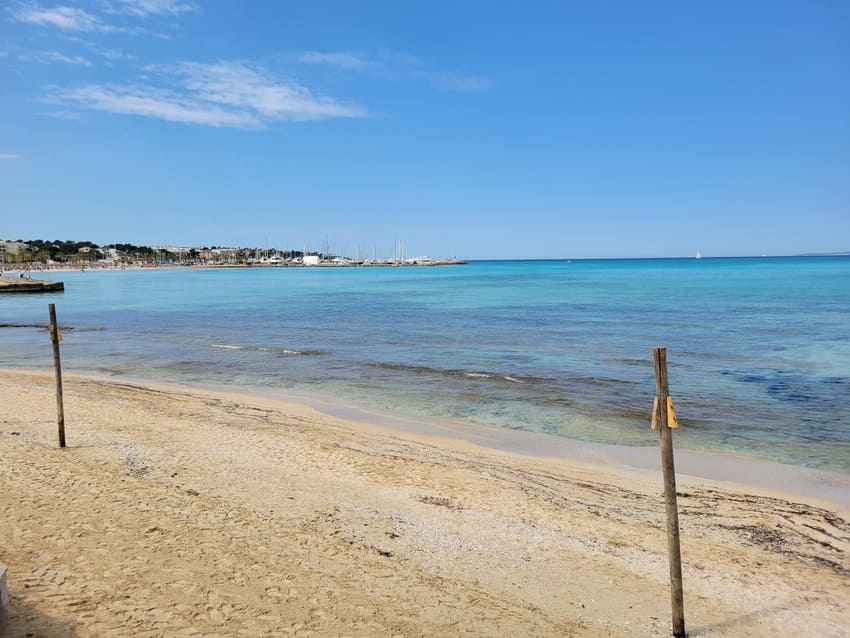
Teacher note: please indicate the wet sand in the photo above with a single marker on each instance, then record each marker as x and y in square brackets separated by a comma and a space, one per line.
[180, 512]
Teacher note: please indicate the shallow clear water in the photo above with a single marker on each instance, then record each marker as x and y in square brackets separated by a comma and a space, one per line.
[759, 348]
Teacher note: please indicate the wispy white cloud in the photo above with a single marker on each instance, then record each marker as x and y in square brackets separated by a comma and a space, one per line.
[224, 94]
[73, 19]
[239, 85]
[47, 57]
[358, 61]
[55, 56]
[110, 54]
[144, 8]
[149, 101]
[65, 18]
[396, 67]
[352, 61]
[99, 50]
[9, 156]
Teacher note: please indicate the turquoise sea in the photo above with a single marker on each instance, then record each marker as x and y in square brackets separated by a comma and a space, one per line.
[759, 348]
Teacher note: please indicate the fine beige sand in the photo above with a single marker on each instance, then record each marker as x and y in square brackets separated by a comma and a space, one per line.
[182, 512]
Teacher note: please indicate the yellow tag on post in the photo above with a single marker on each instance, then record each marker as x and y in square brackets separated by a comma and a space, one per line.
[672, 421]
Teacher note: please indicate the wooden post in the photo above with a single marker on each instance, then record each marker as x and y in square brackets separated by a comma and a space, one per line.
[662, 391]
[57, 365]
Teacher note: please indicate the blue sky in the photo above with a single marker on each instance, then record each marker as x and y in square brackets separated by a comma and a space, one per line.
[476, 129]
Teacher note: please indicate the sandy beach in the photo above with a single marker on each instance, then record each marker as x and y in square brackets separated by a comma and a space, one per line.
[184, 512]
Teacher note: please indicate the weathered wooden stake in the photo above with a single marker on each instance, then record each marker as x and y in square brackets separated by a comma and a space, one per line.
[57, 365]
[662, 391]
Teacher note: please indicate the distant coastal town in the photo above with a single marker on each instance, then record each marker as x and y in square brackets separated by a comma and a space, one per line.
[38, 254]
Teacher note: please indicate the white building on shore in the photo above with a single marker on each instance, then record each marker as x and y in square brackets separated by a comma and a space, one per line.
[12, 247]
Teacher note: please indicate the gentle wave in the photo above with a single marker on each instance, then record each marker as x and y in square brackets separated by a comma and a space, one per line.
[281, 351]
[453, 372]
[537, 385]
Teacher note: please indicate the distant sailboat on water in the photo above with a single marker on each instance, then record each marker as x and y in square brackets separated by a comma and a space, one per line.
[699, 255]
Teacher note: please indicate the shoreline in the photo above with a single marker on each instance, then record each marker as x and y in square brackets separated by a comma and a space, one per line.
[183, 511]
[735, 471]
[738, 471]
[743, 472]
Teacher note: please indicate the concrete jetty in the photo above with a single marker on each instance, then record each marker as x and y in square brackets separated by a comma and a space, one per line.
[4, 591]
[19, 284]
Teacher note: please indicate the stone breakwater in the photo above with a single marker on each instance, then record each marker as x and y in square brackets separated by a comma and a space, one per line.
[7, 284]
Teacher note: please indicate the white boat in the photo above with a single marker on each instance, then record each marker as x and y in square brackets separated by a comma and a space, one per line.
[699, 255]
